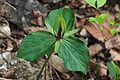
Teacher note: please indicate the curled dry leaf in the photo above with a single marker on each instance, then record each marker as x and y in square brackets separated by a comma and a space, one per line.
[4, 27]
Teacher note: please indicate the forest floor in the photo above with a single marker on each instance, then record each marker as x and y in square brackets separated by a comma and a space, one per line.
[19, 18]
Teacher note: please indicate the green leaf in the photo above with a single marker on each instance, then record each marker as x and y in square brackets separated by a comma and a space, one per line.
[35, 45]
[100, 19]
[75, 54]
[96, 3]
[52, 21]
[114, 31]
[62, 17]
[57, 45]
[112, 22]
[69, 33]
[63, 24]
[91, 3]
[100, 3]
[92, 19]
[50, 28]
[104, 16]
[68, 16]
[113, 70]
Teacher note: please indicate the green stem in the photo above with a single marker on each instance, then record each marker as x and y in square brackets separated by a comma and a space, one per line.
[39, 75]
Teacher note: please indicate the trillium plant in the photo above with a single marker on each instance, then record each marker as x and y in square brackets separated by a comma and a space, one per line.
[58, 39]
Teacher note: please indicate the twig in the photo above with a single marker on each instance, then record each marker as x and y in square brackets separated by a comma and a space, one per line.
[39, 74]
[56, 73]
[51, 77]
[10, 5]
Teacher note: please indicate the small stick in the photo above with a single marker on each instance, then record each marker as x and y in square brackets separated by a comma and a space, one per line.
[9, 5]
[39, 74]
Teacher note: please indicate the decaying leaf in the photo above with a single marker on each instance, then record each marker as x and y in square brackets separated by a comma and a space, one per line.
[57, 63]
[95, 31]
[4, 27]
[115, 54]
[94, 49]
[102, 68]
[113, 42]
[37, 18]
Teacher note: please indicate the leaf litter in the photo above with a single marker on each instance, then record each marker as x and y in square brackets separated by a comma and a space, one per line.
[17, 68]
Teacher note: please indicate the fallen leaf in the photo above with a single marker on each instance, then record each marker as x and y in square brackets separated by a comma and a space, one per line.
[37, 18]
[94, 30]
[94, 49]
[113, 42]
[58, 64]
[102, 68]
[4, 28]
[115, 54]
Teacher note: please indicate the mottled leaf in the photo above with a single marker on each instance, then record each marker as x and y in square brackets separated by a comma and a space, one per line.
[75, 54]
[35, 45]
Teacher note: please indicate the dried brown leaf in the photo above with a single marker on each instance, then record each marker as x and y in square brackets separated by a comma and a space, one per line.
[37, 18]
[102, 68]
[4, 28]
[113, 42]
[95, 31]
[58, 64]
[115, 54]
[94, 49]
